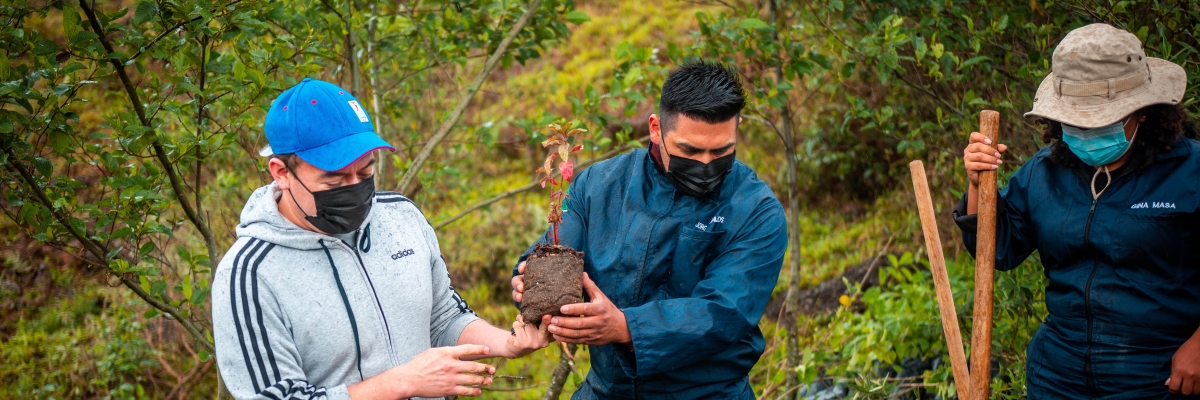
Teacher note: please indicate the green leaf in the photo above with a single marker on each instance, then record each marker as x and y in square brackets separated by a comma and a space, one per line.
[752, 23]
[60, 141]
[972, 61]
[187, 286]
[198, 296]
[158, 288]
[146, 248]
[70, 22]
[577, 17]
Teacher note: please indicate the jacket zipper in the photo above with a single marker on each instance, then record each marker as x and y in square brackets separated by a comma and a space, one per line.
[378, 305]
[1087, 304]
[1087, 291]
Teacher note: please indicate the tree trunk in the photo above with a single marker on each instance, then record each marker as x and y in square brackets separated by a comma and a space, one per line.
[792, 301]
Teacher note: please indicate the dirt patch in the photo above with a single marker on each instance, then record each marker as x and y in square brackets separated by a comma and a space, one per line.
[824, 297]
[553, 278]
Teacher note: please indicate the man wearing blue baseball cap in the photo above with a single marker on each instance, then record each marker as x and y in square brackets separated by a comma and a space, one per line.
[334, 290]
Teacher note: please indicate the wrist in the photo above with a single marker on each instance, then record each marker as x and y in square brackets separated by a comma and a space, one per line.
[513, 351]
[402, 388]
[624, 337]
[385, 386]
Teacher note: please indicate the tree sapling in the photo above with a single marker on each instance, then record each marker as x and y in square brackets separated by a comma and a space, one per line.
[553, 272]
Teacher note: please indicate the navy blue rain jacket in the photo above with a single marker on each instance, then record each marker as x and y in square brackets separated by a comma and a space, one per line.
[1124, 271]
[691, 275]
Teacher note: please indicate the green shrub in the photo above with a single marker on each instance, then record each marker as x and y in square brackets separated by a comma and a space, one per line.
[85, 346]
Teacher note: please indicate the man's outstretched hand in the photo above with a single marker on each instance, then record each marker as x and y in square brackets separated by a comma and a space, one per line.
[595, 323]
[527, 338]
[435, 372]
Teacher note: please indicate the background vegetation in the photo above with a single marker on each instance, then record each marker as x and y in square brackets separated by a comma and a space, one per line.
[130, 131]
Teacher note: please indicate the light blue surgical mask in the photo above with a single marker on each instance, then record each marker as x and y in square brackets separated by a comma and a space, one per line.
[1098, 146]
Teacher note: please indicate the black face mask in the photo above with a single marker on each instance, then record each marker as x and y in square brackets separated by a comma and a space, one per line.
[698, 179]
[341, 209]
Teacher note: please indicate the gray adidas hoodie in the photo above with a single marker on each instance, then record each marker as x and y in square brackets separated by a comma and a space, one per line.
[298, 314]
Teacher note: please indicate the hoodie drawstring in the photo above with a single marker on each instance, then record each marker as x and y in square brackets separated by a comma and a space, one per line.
[349, 311]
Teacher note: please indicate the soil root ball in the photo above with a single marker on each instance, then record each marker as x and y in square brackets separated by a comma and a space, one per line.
[553, 278]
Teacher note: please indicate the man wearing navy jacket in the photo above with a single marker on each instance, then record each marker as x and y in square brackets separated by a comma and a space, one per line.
[682, 246]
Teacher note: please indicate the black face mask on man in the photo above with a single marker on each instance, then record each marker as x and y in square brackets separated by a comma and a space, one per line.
[341, 209]
[695, 178]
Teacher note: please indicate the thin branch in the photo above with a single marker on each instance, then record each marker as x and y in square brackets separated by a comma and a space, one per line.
[160, 152]
[923, 89]
[451, 120]
[492, 389]
[766, 122]
[166, 32]
[523, 189]
[92, 247]
[168, 309]
[40, 196]
[412, 16]
[931, 94]
[176, 185]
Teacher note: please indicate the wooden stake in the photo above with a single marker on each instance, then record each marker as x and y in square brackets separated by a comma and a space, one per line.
[985, 264]
[941, 281]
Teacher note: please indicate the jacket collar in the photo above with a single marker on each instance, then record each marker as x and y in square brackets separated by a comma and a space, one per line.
[1182, 148]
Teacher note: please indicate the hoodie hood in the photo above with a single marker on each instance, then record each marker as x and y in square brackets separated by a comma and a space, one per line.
[262, 220]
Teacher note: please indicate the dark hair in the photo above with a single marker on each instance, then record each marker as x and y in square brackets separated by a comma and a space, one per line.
[289, 160]
[707, 91]
[1164, 124]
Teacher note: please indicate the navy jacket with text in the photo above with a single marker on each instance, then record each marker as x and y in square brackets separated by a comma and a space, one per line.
[692, 276]
[1123, 270]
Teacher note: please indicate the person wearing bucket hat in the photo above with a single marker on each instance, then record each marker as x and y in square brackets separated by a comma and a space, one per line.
[336, 290]
[1112, 205]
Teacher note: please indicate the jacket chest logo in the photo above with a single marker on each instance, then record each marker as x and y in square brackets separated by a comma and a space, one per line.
[1153, 204]
[716, 220]
[402, 253]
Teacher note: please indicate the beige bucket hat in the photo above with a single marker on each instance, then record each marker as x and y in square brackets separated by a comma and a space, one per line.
[1100, 74]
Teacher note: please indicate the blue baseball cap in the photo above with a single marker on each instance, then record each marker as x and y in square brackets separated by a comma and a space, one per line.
[322, 124]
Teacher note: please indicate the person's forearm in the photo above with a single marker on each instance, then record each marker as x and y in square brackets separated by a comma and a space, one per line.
[482, 333]
[378, 388]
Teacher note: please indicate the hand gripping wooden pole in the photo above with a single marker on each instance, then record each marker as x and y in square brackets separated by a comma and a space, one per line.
[941, 281]
[985, 264]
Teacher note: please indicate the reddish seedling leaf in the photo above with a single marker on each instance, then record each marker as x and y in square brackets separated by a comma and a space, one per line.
[567, 169]
[559, 144]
